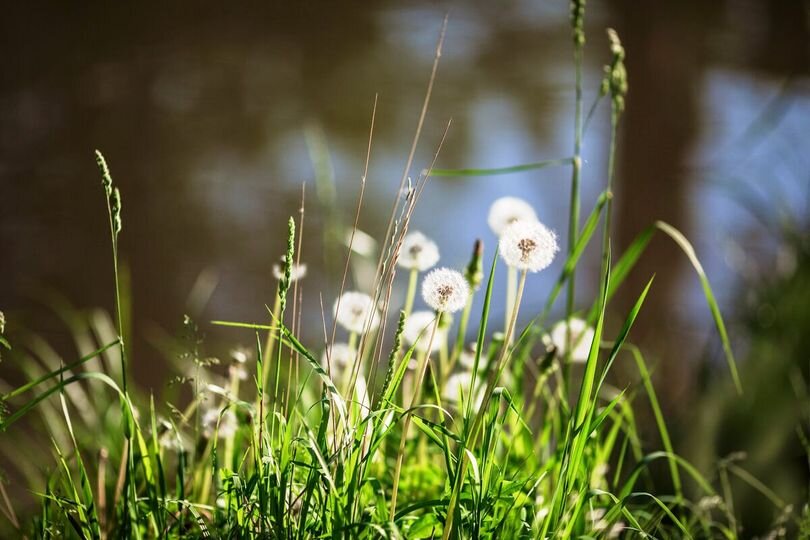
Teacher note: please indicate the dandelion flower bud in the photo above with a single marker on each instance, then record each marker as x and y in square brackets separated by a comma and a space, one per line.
[417, 329]
[356, 312]
[298, 271]
[528, 246]
[581, 337]
[508, 210]
[418, 252]
[445, 290]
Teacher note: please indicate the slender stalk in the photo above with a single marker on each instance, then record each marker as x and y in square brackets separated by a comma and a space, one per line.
[573, 223]
[511, 291]
[270, 342]
[458, 347]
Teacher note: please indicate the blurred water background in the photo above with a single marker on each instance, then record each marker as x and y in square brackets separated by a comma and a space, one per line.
[210, 117]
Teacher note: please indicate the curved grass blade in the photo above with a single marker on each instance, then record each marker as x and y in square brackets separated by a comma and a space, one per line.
[687, 248]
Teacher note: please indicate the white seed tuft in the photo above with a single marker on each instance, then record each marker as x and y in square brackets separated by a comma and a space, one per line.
[528, 245]
[418, 252]
[357, 312]
[417, 329]
[458, 386]
[227, 424]
[445, 290]
[581, 337]
[508, 210]
[340, 357]
[298, 271]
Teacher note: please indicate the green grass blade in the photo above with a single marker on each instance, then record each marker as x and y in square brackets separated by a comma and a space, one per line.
[687, 248]
[500, 170]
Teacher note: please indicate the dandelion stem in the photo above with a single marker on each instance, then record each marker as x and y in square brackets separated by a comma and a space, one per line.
[511, 290]
[462, 332]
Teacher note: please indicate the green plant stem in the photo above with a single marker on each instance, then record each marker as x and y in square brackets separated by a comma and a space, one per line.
[458, 348]
[511, 290]
[573, 223]
[270, 343]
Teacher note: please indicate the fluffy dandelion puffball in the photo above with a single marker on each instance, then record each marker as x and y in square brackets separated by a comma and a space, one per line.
[417, 329]
[240, 355]
[418, 252]
[458, 385]
[227, 424]
[237, 371]
[445, 290]
[528, 245]
[298, 271]
[508, 210]
[340, 356]
[355, 311]
[581, 338]
[466, 359]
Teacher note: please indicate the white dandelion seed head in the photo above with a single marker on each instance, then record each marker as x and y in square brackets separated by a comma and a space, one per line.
[298, 271]
[340, 356]
[218, 390]
[458, 386]
[581, 337]
[240, 354]
[467, 358]
[528, 246]
[616, 529]
[173, 441]
[227, 424]
[418, 252]
[417, 329]
[357, 312]
[237, 371]
[445, 290]
[508, 210]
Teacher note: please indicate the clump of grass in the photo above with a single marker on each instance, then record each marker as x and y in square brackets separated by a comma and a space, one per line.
[520, 436]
